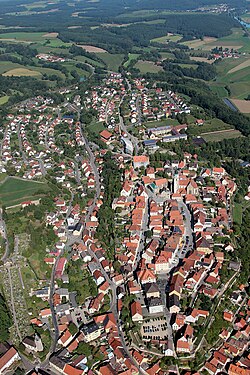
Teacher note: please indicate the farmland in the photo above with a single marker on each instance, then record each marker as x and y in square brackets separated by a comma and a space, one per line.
[14, 191]
[220, 135]
[113, 61]
[242, 105]
[21, 72]
[167, 38]
[147, 67]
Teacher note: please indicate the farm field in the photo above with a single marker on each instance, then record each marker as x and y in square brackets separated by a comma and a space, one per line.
[209, 126]
[201, 59]
[234, 74]
[131, 57]
[92, 49]
[29, 37]
[167, 55]
[87, 60]
[220, 135]
[113, 61]
[167, 38]
[236, 40]
[21, 72]
[242, 105]
[197, 43]
[148, 67]
[14, 191]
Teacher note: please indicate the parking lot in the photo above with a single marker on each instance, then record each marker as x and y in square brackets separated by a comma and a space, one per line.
[154, 330]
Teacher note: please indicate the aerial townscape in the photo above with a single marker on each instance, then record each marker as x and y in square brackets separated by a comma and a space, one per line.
[124, 187]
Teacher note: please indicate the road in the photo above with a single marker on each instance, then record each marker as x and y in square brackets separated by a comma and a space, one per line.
[4, 231]
[133, 139]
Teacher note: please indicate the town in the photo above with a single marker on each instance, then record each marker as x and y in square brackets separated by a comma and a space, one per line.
[138, 274]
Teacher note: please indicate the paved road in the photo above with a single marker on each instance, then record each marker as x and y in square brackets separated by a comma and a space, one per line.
[133, 139]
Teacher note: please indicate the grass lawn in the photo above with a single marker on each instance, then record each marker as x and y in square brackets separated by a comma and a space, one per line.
[14, 191]
[96, 127]
[4, 99]
[147, 67]
[237, 213]
[113, 61]
[166, 122]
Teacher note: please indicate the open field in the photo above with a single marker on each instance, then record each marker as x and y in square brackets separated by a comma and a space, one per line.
[197, 43]
[14, 191]
[220, 135]
[210, 126]
[113, 61]
[243, 65]
[234, 74]
[131, 57]
[167, 55]
[21, 72]
[201, 59]
[236, 40]
[242, 105]
[167, 38]
[4, 99]
[87, 60]
[148, 67]
[20, 36]
[90, 48]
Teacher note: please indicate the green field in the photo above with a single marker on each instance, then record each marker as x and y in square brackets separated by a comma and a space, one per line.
[235, 40]
[96, 127]
[216, 137]
[131, 57]
[20, 36]
[87, 60]
[238, 81]
[167, 55]
[147, 67]
[167, 38]
[4, 99]
[152, 124]
[209, 126]
[14, 191]
[113, 61]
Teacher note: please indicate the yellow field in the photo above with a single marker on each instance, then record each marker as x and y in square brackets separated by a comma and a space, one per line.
[21, 72]
[201, 59]
[199, 43]
[242, 105]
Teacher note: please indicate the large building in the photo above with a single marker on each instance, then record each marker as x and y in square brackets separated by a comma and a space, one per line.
[8, 358]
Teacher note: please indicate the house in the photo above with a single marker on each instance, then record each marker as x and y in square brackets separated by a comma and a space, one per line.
[106, 136]
[151, 290]
[146, 276]
[91, 331]
[8, 358]
[155, 305]
[65, 338]
[33, 344]
[136, 311]
[228, 316]
[140, 161]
